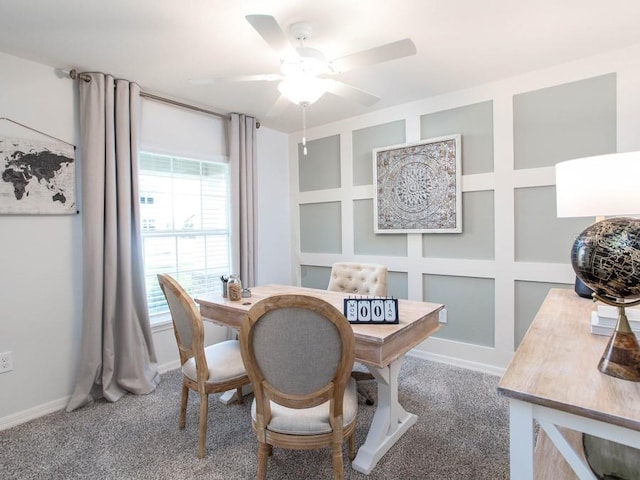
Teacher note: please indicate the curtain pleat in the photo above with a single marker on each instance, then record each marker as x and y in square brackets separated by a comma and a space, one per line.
[242, 152]
[117, 354]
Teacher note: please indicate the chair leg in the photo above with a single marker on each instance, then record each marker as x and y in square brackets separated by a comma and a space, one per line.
[239, 394]
[183, 406]
[264, 450]
[352, 445]
[202, 436]
[338, 469]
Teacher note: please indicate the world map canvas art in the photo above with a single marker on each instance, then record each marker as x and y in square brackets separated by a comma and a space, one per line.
[37, 177]
[418, 187]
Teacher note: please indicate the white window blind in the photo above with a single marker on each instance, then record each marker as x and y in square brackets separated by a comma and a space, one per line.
[184, 210]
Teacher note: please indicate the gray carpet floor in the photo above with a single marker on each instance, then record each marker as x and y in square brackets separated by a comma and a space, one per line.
[461, 433]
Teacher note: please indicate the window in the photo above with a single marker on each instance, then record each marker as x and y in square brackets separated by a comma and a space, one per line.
[184, 214]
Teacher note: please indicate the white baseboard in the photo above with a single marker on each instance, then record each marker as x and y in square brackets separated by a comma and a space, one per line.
[55, 405]
[24, 416]
[167, 367]
[458, 362]
[33, 413]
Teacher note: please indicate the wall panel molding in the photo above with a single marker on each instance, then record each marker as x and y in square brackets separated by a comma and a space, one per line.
[505, 181]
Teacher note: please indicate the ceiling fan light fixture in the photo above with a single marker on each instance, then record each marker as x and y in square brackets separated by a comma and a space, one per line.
[303, 90]
[309, 61]
[304, 69]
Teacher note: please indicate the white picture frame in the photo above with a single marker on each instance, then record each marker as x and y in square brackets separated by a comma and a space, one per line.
[417, 186]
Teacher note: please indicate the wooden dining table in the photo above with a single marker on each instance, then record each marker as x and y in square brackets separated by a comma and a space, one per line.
[380, 347]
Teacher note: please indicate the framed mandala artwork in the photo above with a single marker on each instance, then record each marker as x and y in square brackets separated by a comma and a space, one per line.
[418, 187]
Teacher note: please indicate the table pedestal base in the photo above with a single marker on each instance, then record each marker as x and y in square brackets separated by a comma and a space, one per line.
[230, 396]
[390, 420]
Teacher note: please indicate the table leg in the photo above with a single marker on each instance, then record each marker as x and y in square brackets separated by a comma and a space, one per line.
[575, 460]
[521, 439]
[230, 396]
[390, 420]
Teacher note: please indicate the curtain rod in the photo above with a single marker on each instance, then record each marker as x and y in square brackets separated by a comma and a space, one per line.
[158, 98]
[75, 75]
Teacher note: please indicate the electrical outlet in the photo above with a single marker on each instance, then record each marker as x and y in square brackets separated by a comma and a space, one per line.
[6, 362]
[442, 316]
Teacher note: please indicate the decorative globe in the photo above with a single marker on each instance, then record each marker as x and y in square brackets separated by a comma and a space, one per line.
[606, 257]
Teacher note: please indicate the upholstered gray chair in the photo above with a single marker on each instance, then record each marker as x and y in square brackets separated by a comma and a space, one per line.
[360, 279]
[214, 369]
[298, 351]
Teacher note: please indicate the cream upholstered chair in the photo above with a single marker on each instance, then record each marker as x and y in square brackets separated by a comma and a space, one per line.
[298, 351]
[216, 368]
[361, 279]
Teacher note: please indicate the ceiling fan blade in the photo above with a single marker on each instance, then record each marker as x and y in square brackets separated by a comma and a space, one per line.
[351, 93]
[270, 31]
[264, 77]
[280, 105]
[383, 53]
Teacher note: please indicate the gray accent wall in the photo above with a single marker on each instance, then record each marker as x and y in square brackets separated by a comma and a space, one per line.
[478, 230]
[475, 124]
[470, 307]
[572, 120]
[529, 296]
[320, 168]
[540, 236]
[365, 140]
[493, 276]
[398, 285]
[366, 242]
[321, 228]
[315, 277]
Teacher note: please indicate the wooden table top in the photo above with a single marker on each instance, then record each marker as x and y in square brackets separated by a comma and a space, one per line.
[556, 365]
[376, 344]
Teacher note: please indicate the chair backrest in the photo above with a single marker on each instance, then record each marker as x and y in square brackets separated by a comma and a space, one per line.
[361, 278]
[298, 351]
[187, 323]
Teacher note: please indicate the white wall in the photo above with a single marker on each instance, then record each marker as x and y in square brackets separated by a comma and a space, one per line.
[41, 256]
[274, 209]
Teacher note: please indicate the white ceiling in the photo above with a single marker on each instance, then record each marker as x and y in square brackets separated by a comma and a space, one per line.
[161, 44]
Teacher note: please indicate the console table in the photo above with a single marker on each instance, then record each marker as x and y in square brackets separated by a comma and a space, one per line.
[553, 379]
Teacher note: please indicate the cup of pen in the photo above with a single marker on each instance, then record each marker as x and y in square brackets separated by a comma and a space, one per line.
[225, 285]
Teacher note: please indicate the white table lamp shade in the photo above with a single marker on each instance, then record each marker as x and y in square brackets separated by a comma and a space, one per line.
[603, 185]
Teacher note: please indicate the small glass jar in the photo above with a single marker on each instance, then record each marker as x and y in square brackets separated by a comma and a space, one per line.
[234, 287]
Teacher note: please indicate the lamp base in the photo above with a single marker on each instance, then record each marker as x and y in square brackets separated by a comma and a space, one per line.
[621, 358]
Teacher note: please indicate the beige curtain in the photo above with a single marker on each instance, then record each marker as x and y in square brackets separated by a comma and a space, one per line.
[242, 152]
[117, 354]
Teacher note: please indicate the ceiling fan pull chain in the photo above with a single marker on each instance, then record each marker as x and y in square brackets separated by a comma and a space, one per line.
[304, 129]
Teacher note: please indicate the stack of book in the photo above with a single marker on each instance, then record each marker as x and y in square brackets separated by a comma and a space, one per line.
[604, 319]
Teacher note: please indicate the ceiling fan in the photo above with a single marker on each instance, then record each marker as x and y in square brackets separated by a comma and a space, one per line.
[305, 72]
